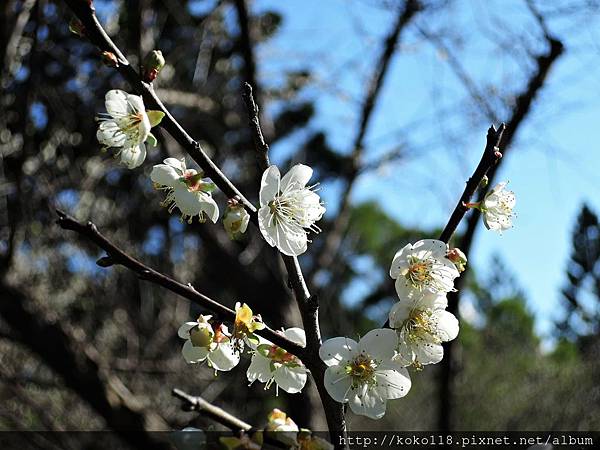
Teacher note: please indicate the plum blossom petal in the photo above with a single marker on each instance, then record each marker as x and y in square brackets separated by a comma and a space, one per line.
[365, 374]
[185, 190]
[423, 266]
[272, 364]
[125, 127]
[497, 208]
[337, 349]
[290, 379]
[203, 342]
[288, 209]
[422, 325]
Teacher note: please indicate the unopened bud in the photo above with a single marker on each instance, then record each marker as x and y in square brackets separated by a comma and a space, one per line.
[201, 336]
[484, 182]
[235, 220]
[110, 59]
[153, 63]
[76, 27]
[459, 259]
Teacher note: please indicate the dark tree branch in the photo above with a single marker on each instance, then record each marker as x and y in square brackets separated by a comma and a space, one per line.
[117, 256]
[246, 45]
[491, 155]
[96, 34]
[334, 239]
[79, 370]
[219, 415]
[309, 306]
[195, 403]
[519, 113]
[261, 147]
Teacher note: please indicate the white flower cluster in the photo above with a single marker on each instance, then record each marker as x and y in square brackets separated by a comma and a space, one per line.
[424, 275]
[368, 373]
[210, 341]
[364, 374]
[288, 208]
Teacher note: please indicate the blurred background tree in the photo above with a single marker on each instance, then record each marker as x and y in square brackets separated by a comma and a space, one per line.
[102, 345]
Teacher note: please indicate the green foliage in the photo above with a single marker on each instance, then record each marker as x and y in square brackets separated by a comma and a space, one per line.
[582, 291]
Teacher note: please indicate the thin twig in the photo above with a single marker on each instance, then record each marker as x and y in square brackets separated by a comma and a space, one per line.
[262, 149]
[308, 306]
[118, 256]
[491, 155]
[333, 241]
[521, 110]
[196, 403]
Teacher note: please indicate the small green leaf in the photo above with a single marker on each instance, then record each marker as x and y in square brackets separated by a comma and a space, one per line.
[155, 117]
[152, 140]
[253, 339]
[264, 349]
[208, 187]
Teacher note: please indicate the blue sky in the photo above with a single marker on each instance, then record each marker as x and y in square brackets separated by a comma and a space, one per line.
[551, 166]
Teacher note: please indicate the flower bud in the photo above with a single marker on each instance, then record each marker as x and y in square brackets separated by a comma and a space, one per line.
[458, 258]
[306, 440]
[286, 428]
[235, 220]
[201, 336]
[110, 59]
[153, 63]
[484, 182]
[76, 27]
[245, 320]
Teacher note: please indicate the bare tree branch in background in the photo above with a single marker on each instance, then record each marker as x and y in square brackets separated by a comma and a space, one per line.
[522, 108]
[332, 243]
[76, 364]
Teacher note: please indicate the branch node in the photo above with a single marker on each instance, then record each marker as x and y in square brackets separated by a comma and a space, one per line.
[144, 274]
[105, 261]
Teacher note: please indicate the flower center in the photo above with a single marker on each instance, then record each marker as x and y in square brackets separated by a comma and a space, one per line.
[420, 326]
[504, 206]
[277, 354]
[295, 209]
[192, 180]
[419, 272]
[201, 336]
[361, 369]
[133, 120]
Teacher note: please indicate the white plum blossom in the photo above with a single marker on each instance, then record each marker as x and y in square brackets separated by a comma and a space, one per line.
[286, 430]
[365, 374]
[271, 363]
[497, 208]
[423, 266]
[205, 342]
[457, 256]
[288, 209]
[185, 190]
[235, 220]
[280, 421]
[422, 324]
[126, 126]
